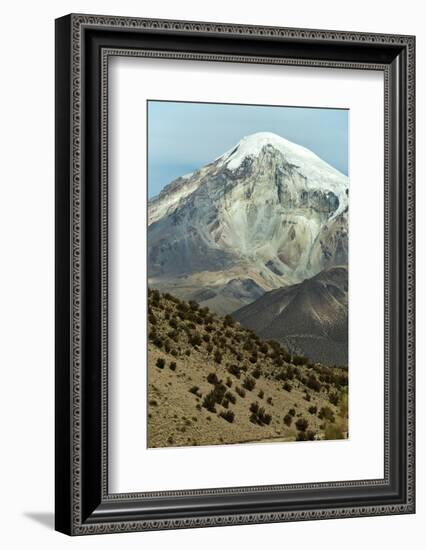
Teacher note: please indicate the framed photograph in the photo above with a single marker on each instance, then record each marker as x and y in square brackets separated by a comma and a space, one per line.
[234, 274]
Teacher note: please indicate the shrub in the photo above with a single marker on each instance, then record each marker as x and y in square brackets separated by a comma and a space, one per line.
[300, 360]
[288, 419]
[173, 322]
[313, 410]
[193, 305]
[228, 321]
[229, 382]
[218, 356]
[305, 436]
[230, 397]
[253, 358]
[195, 339]
[157, 341]
[287, 387]
[152, 319]
[196, 391]
[258, 415]
[254, 407]
[209, 348]
[292, 412]
[261, 394]
[333, 398]
[227, 415]
[263, 348]
[209, 402]
[240, 391]
[160, 363]
[234, 370]
[212, 378]
[173, 365]
[326, 414]
[301, 424]
[249, 383]
[313, 383]
[307, 397]
[206, 338]
[256, 373]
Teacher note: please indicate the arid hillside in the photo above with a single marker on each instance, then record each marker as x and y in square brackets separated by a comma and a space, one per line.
[210, 382]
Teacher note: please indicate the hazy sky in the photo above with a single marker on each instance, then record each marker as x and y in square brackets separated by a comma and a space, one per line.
[185, 136]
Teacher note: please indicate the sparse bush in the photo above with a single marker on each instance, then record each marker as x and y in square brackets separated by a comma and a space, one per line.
[234, 370]
[225, 403]
[158, 341]
[206, 337]
[229, 382]
[212, 378]
[218, 356]
[326, 414]
[209, 402]
[333, 398]
[240, 391]
[160, 363]
[256, 373]
[153, 403]
[313, 383]
[196, 391]
[301, 424]
[227, 415]
[263, 348]
[253, 358]
[230, 397]
[300, 360]
[209, 348]
[258, 415]
[173, 322]
[292, 412]
[195, 339]
[173, 365]
[269, 400]
[305, 436]
[228, 321]
[288, 419]
[307, 397]
[152, 319]
[249, 383]
[261, 394]
[287, 387]
[312, 409]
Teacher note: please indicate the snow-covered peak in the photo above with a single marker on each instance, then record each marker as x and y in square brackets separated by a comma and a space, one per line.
[318, 173]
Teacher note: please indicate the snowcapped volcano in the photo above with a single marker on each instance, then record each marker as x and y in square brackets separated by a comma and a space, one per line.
[265, 214]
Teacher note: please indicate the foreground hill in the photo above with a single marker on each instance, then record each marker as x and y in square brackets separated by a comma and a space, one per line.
[210, 381]
[266, 214]
[311, 316]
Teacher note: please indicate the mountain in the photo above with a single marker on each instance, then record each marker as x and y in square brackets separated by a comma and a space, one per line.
[266, 214]
[310, 317]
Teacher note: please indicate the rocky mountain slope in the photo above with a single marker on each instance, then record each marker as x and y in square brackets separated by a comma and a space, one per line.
[211, 382]
[266, 214]
[311, 316]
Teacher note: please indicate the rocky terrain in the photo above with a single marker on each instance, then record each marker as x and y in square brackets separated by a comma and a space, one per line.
[211, 381]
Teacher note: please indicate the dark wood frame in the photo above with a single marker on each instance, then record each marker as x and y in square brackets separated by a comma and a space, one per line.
[83, 46]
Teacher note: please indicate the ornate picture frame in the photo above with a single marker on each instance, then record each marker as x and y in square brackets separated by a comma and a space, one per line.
[84, 45]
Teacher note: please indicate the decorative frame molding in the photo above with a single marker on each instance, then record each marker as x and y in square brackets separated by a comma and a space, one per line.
[84, 44]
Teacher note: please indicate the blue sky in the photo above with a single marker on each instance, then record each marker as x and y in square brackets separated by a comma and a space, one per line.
[185, 136]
